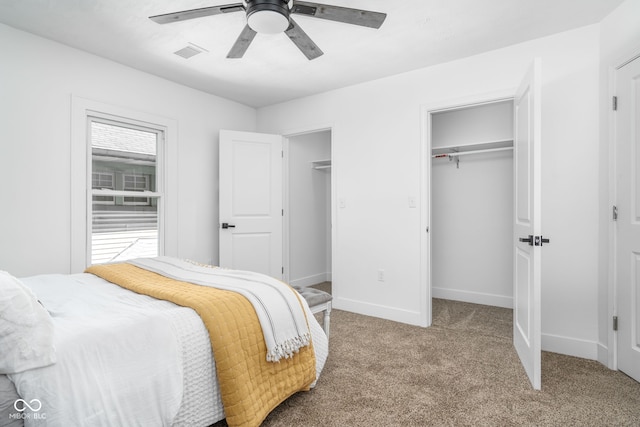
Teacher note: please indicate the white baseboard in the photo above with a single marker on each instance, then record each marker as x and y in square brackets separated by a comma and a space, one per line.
[377, 310]
[311, 280]
[472, 297]
[585, 349]
[570, 346]
[604, 357]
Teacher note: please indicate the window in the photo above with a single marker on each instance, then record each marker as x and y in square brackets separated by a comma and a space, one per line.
[136, 183]
[144, 130]
[125, 193]
[103, 181]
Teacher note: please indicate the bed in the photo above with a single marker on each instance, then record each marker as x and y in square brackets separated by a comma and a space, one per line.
[87, 351]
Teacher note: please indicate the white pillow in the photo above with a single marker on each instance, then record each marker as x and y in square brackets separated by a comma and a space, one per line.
[26, 329]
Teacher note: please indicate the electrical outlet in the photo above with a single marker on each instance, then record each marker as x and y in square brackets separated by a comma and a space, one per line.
[381, 275]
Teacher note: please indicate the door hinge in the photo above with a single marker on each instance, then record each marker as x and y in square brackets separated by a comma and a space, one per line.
[282, 270]
[615, 323]
[614, 103]
[615, 213]
[282, 212]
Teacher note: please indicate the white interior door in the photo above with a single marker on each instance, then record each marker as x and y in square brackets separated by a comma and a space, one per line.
[250, 202]
[627, 127]
[527, 230]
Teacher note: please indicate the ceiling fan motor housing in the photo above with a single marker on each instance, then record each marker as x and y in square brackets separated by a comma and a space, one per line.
[268, 16]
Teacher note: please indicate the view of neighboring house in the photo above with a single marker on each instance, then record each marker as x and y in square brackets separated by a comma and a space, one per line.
[124, 160]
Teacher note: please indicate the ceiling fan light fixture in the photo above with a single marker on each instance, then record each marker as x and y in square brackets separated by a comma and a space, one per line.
[272, 17]
[267, 16]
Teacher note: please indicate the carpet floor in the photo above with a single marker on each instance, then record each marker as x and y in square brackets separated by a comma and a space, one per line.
[462, 371]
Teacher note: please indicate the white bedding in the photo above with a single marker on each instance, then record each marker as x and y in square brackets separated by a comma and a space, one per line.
[125, 359]
[117, 353]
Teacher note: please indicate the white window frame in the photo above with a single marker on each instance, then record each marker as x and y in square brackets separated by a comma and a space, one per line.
[81, 191]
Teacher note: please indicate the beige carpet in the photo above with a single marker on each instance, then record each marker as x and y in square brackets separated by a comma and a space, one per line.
[462, 371]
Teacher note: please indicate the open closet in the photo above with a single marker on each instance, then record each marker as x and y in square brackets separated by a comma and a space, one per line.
[308, 219]
[472, 207]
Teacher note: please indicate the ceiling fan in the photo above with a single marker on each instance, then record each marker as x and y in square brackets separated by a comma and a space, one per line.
[274, 16]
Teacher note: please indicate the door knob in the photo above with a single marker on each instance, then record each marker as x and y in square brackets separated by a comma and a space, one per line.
[528, 240]
[540, 240]
[226, 225]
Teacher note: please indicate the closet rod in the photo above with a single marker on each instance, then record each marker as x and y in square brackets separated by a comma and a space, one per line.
[462, 153]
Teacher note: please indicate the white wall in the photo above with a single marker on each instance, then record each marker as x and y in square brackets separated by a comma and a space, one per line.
[472, 208]
[37, 81]
[309, 209]
[376, 145]
[619, 41]
[473, 125]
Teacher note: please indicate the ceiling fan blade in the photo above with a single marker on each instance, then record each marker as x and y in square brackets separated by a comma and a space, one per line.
[346, 15]
[242, 43]
[197, 13]
[302, 40]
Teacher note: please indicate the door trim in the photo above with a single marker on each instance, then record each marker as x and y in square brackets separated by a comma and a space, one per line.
[426, 110]
[609, 355]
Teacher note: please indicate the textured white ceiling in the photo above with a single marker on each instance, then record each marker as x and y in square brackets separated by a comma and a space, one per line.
[416, 33]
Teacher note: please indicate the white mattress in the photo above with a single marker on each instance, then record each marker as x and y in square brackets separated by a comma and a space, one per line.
[183, 359]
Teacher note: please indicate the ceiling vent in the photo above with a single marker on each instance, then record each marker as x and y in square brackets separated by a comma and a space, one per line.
[189, 51]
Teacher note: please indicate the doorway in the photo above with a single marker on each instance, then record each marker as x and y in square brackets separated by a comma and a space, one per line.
[527, 239]
[308, 209]
[472, 217]
[472, 203]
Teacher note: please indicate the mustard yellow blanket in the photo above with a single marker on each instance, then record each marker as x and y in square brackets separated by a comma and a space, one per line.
[250, 386]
